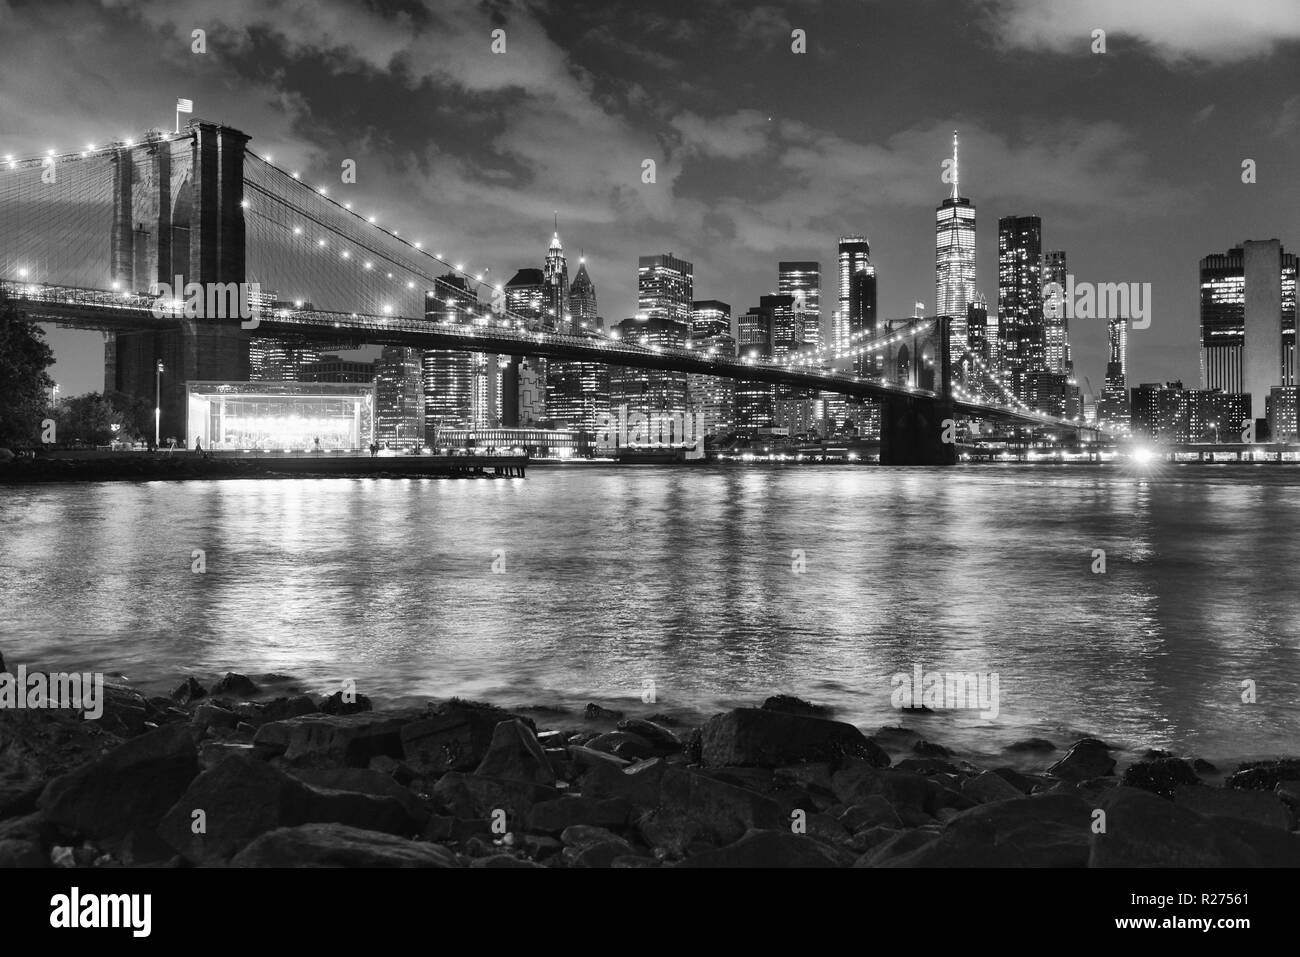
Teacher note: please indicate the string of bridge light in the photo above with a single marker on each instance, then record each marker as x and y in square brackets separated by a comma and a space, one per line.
[416, 247]
[1007, 393]
[91, 150]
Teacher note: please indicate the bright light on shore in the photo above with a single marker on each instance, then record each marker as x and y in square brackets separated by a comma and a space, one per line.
[1142, 455]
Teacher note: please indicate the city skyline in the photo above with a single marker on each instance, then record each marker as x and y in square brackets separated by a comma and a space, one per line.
[740, 185]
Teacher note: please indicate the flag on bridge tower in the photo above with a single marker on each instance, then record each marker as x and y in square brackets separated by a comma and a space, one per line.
[182, 106]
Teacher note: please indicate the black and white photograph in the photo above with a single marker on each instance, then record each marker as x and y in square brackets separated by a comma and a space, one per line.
[634, 435]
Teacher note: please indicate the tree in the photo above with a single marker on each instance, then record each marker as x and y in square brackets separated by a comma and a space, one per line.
[24, 382]
[87, 420]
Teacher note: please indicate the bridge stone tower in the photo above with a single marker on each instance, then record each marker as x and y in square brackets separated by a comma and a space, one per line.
[911, 427]
[177, 211]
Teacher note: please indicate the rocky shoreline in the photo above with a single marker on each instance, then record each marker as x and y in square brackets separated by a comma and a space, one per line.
[256, 773]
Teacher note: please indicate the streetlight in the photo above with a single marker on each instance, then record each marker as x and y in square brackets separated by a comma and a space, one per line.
[157, 403]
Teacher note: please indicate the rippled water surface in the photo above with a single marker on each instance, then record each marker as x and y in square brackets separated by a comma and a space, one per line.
[617, 576]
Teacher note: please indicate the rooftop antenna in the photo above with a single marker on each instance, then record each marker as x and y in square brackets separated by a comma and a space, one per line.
[955, 193]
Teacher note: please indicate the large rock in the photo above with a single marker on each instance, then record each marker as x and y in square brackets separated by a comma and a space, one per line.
[623, 744]
[321, 740]
[234, 685]
[770, 739]
[1049, 830]
[18, 853]
[988, 787]
[337, 845]
[907, 791]
[1261, 807]
[473, 796]
[770, 849]
[695, 807]
[638, 784]
[1143, 830]
[1265, 775]
[366, 781]
[886, 845]
[514, 754]
[39, 745]
[1089, 758]
[131, 786]
[242, 798]
[456, 738]
[789, 704]
[1160, 776]
[660, 738]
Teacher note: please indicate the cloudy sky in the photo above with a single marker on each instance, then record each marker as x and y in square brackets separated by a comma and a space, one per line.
[1132, 157]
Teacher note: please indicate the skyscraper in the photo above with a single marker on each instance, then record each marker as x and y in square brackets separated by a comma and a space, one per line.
[1248, 311]
[529, 295]
[1114, 406]
[449, 378]
[555, 311]
[854, 257]
[666, 289]
[399, 398]
[665, 295]
[1056, 349]
[862, 319]
[582, 302]
[954, 250]
[802, 281]
[1020, 298]
[578, 393]
[712, 396]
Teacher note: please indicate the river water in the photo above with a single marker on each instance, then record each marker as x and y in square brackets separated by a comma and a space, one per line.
[609, 578]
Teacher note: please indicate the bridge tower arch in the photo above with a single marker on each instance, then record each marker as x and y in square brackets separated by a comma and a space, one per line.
[177, 212]
[912, 426]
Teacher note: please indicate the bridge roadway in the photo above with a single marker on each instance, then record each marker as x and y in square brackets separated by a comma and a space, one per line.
[110, 311]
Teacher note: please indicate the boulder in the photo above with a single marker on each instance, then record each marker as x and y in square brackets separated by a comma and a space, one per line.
[335, 704]
[1160, 775]
[1021, 782]
[660, 738]
[693, 806]
[514, 754]
[789, 704]
[594, 712]
[455, 738]
[928, 749]
[469, 796]
[1143, 830]
[889, 845]
[209, 715]
[1264, 775]
[988, 787]
[874, 811]
[243, 797]
[906, 791]
[131, 786]
[366, 781]
[320, 740]
[38, 745]
[189, 691]
[752, 736]
[1049, 830]
[623, 744]
[234, 685]
[337, 845]
[19, 853]
[782, 849]
[1261, 807]
[1089, 758]
[126, 712]
[281, 709]
[638, 785]
[585, 758]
